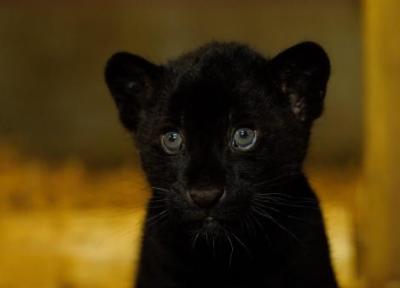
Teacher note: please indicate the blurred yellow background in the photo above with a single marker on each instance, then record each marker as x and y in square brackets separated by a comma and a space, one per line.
[71, 190]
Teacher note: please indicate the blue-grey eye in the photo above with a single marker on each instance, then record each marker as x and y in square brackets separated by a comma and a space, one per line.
[171, 142]
[244, 139]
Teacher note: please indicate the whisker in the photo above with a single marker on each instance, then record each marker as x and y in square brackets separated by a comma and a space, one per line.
[240, 242]
[160, 189]
[195, 239]
[285, 197]
[280, 177]
[157, 204]
[259, 204]
[268, 216]
[287, 215]
[156, 218]
[157, 199]
[275, 202]
[213, 245]
[254, 219]
[231, 244]
[249, 225]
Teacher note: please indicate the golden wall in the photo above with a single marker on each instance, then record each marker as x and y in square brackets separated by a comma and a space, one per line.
[379, 199]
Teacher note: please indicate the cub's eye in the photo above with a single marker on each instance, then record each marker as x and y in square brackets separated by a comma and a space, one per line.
[244, 139]
[171, 142]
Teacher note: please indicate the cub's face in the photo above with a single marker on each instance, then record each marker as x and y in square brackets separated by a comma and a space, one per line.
[218, 126]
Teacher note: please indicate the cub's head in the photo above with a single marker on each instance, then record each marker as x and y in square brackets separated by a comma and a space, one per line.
[217, 126]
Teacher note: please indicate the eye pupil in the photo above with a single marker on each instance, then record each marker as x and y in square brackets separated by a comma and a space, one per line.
[172, 137]
[243, 134]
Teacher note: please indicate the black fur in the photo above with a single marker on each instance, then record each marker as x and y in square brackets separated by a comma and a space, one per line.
[267, 229]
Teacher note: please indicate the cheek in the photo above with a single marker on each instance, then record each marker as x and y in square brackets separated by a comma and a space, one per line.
[159, 165]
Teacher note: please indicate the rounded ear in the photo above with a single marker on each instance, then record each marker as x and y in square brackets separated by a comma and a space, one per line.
[131, 80]
[302, 73]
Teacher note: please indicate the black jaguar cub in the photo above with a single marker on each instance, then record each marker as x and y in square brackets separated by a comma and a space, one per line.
[222, 134]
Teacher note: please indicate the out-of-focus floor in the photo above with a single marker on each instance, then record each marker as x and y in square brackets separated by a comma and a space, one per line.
[66, 227]
[68, 248]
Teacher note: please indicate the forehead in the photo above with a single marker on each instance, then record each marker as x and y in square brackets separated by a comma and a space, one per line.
[217, 84]
[210, 98]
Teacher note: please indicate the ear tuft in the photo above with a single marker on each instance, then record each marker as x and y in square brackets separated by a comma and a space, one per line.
[131, 80]
[302, 74]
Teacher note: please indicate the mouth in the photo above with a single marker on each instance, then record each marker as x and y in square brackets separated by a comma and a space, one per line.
[209, 225]
[202, 222]
[210, 222]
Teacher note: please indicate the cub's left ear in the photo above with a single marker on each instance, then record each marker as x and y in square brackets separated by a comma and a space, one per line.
[302, 74]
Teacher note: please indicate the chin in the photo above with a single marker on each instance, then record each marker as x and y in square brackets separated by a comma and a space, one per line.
[203, 223]
[209, 228]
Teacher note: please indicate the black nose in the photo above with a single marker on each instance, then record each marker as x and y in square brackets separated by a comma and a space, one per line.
[206, 198]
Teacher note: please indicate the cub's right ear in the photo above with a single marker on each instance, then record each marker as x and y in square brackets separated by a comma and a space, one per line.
[131, 80]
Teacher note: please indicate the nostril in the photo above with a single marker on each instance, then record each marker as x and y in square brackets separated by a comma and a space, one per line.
[206, 198]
